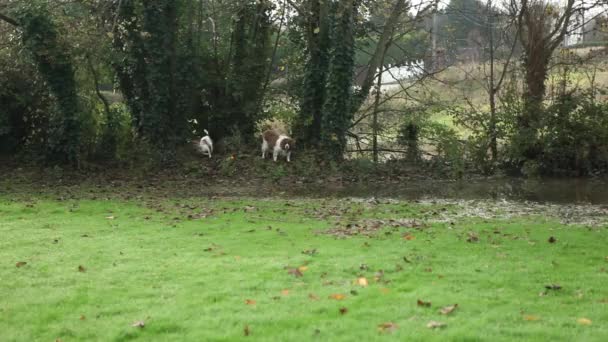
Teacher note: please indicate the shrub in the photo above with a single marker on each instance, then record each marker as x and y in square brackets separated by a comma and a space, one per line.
[574, 136]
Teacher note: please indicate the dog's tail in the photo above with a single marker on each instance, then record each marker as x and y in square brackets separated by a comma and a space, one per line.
[206, 132]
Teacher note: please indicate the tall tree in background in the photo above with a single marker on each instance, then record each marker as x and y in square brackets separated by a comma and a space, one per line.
[317, 19]
[54, 62]
[145, 48]
[337, 110]
[542, 28]
[251, 52]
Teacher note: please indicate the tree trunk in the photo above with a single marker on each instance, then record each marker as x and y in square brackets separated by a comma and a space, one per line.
[376, 106]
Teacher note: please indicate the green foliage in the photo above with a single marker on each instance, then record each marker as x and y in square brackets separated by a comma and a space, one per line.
[146, 59]
[41, 38]
[317, 33]
[575, 136]
[409, 136]
[26, 104]
[449, 149]
[337, 109]
[115, 136]
[248, 65]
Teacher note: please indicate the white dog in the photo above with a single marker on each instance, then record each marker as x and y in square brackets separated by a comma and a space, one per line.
[280, 144]
[206, 144]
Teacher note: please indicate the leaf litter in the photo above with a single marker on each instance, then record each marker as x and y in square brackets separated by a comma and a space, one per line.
[448, 309]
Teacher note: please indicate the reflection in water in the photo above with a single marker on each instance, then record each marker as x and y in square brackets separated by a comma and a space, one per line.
[543, 190]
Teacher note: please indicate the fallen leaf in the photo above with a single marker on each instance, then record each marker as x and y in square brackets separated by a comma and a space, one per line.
[531, 318]
[387, 327]
[110, 217]
[310, 252]
[250, 301]
[472, 237]
[362, 281]
[337, 296]
[553, 287]
[246, 330]
[552, 239]
[435, 325]
[316, 30]
[139, 324]
[81, 268]
[20, 264]
[343, 311]
[313, 296]
[448, 309]
[303, 269]
[83, 317]
[285, 292]
[409, 237]
[423, 303]
[584, 321]
[295, 272]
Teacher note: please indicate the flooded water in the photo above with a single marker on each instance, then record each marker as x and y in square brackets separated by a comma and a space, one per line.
[559, 191]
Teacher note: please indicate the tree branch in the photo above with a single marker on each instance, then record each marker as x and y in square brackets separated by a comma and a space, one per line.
[9, 20]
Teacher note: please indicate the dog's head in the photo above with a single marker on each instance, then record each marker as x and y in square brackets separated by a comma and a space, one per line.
[288, 144]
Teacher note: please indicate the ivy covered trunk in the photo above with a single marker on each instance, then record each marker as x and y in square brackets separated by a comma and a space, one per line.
[160, 121]
[129, 61]
[251, 49]
[147, 56]
[337, 110]
[309, 120]
[54, 62]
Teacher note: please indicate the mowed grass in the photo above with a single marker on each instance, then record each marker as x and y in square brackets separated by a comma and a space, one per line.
[226, 276]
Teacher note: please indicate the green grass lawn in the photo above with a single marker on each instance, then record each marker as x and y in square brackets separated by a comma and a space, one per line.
[228, 269]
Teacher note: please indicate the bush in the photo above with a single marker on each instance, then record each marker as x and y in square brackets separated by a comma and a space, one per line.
[574, 136]
[25, 106]
[115, 136]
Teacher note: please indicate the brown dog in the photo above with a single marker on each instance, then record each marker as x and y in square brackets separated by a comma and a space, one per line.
[280, 144]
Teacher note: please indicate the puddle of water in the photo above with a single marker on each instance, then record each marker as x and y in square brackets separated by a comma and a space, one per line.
[562, 191]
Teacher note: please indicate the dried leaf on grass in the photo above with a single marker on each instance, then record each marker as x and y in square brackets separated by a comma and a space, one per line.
[20, 264]
[387, 327]
[362, 281]
[246, 330]
[448, 309]
[295, 272]
[250, 302]
[337, 296]
[423, 303]
[584, 321]
[138, 324]
[81, 268]
[435, 325]
[343, 311]
[531, 318]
